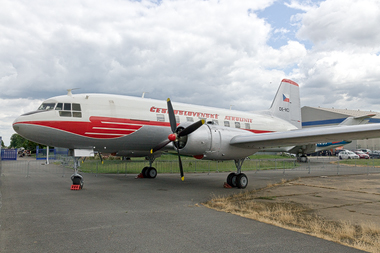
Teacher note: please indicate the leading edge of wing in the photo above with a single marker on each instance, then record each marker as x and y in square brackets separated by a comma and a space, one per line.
[307, 136]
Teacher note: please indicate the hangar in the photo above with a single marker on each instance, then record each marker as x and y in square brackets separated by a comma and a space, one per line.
[319, 117]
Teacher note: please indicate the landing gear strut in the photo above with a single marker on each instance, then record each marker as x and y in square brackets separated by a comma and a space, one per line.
[149, 172]
[238, 179]
[76, 177]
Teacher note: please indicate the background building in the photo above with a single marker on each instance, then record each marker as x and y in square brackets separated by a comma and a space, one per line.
[319, 117]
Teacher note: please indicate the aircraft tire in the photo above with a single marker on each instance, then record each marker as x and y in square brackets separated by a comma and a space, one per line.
[78, 180]
[144, 172]
[241, 181]
[151, 172]
[231, 179]
[303, 159]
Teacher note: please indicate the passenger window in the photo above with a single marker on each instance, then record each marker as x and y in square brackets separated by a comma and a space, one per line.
[237, 124]
[190, 119]
[160, 117]
[247, 126]
[215, 122]
[67, 107]
[226, 123]
[177, 119]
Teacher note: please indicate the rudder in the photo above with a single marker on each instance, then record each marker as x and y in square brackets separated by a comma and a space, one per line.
[286, 104]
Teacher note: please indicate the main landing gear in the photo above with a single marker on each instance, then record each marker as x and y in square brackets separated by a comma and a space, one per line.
[76, 177]
[148, 172]
[302, 158]
[238, 179]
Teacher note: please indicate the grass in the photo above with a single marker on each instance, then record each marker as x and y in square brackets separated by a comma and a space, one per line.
[298, 218]
[361, 162]
[169, 164]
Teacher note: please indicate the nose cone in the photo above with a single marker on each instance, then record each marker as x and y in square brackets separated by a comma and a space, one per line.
[23, 125]
[15, 125]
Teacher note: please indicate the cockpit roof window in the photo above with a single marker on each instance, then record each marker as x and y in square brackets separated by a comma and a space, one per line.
[46, 107]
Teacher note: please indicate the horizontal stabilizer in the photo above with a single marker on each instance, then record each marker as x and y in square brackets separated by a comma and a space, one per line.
[357, 120]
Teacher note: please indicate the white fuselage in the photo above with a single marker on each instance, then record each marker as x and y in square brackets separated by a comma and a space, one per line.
[127, 125]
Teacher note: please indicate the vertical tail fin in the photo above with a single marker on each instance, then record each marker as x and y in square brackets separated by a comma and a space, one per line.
[286, 104]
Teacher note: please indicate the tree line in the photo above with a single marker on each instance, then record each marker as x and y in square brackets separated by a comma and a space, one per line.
[17, 141]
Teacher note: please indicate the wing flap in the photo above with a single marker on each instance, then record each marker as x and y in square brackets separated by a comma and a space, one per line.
[307, 136]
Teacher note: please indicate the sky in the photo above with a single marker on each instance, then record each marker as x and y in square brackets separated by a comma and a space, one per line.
[207, 52]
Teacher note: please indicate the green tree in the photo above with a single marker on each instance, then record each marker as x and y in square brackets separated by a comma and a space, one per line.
[2, 144]
[17, 141]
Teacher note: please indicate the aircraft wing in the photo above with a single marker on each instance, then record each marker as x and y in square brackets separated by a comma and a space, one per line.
[307, 136]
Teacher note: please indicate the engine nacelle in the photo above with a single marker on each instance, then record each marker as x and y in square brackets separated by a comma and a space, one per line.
[212, 142]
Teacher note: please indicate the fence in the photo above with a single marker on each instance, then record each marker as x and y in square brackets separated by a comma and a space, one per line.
[8, 154]
[54, 153]
[315, 166]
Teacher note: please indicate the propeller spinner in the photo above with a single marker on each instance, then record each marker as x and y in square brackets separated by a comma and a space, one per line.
[175, 135]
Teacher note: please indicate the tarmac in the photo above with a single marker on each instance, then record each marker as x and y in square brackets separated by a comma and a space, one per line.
[118, 213]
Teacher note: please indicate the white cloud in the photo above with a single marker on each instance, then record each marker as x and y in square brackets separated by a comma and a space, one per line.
[345, 24]
[11, 109]
[204, 52]
[341, 70]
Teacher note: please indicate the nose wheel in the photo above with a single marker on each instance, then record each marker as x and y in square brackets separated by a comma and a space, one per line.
[76, 178]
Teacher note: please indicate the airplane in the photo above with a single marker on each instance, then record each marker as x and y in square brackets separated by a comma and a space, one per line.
[141, 127]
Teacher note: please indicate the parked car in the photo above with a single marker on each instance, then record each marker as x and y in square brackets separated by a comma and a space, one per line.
[367, 151]
[361, 154]
[348, 155]
[375, 154]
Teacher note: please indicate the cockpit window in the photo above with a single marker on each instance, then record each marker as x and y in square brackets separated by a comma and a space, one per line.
[67, 106]
[46, 107]
[76, 107]
[69, 110]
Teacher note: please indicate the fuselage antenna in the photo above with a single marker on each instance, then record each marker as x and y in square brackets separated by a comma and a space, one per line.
[69, 93]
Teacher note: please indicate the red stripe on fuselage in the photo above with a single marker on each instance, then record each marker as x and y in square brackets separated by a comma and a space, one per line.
[98, 127]
[105, 127]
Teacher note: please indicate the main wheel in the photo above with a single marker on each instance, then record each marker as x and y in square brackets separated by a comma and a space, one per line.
[144, 172]
[241, 181]
[151, 172]
[303, 159]
[231, 179]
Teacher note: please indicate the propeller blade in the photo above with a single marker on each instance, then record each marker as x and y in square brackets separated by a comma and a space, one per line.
[173, 123]
[180, 166]
[160, 146]
[188, 130]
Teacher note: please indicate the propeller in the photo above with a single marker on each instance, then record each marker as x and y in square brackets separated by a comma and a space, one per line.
[176, 134]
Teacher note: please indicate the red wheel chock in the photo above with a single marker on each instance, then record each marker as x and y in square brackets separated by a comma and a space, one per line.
[75, 187]
[139, 176]
[227, 185]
